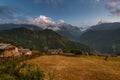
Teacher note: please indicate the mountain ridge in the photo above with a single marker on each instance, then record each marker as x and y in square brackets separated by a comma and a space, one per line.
[40, 40]
[65, 30]
[103, 38]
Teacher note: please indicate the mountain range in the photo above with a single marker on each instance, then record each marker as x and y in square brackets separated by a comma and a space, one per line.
[66, 30]
[40, 40]
[103, 37]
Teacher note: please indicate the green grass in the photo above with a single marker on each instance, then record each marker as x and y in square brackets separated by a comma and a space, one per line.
[17, 69]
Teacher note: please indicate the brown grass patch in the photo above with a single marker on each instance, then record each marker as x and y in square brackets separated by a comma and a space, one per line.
[79, 68]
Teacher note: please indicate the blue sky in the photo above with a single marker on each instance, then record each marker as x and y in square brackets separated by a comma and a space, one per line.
[75, 12]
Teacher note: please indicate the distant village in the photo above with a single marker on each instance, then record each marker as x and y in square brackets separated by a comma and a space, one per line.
[9, 50]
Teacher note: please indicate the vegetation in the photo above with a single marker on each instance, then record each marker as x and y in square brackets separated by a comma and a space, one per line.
[103, 37]
[39, 40]
[77, 52]
[106, 41]
[16, 70]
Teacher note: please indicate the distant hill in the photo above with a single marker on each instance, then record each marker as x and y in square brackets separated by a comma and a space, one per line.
[39, 40]
[71, 32]
[11, 26]
[104, 37]
[106, 26]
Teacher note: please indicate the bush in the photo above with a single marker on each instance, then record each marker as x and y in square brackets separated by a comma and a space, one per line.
[6, 77]
[52, 75]
[77, 52]
[12, 70]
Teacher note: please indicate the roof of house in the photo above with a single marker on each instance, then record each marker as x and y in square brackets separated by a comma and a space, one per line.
[54, 50]
[3, 46]
[24, 50]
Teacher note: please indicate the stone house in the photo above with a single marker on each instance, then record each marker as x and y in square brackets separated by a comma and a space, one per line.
[25, 51]
[55, 51]
[8, 50]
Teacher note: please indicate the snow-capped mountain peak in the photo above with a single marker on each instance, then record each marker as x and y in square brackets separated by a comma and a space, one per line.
[47, 23]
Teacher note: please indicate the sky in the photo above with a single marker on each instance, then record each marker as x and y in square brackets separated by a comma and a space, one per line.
[79, 13]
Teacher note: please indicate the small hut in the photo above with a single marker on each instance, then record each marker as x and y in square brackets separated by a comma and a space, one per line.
[8, 50]
[55, 51]
[25, 51]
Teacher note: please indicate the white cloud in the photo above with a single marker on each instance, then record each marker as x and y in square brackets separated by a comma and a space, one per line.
[112, 5]
[55, 2]
[97, 0]
[116, 13]
[103, 21]
[60, 22]
[43, 19]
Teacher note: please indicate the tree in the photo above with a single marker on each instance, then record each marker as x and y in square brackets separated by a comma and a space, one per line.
[77, 52]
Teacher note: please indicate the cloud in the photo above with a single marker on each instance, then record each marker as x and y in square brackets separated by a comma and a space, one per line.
[116, 13]
[17, 20]
[103, 21]
[17, 16]
[112, 4]
[7, 12]
[13, 15]
[46, 22]
[42, 21]
[97, 0]
[55, 2]
[61, 21]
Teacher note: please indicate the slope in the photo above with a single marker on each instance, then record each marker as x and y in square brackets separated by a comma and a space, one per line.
[39, 40]
[103, 37]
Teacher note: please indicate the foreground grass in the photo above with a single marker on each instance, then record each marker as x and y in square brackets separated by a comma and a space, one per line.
[17, 69]
[78, 68]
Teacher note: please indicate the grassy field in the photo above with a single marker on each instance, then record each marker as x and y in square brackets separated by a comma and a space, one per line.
[78, 68]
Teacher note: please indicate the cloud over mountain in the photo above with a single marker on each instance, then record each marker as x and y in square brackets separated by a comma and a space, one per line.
[43, 20]
[7, 12]
[114, 7]
[116, 12]
[97, 0]
[112, 4]
[15, 15]
[46, 22]
[103, 21]
[55, 2]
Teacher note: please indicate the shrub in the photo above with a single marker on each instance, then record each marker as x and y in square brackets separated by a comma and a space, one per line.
[6, 77]
[12, 70]
[32, 75]
[52, 75]
[77, 52]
